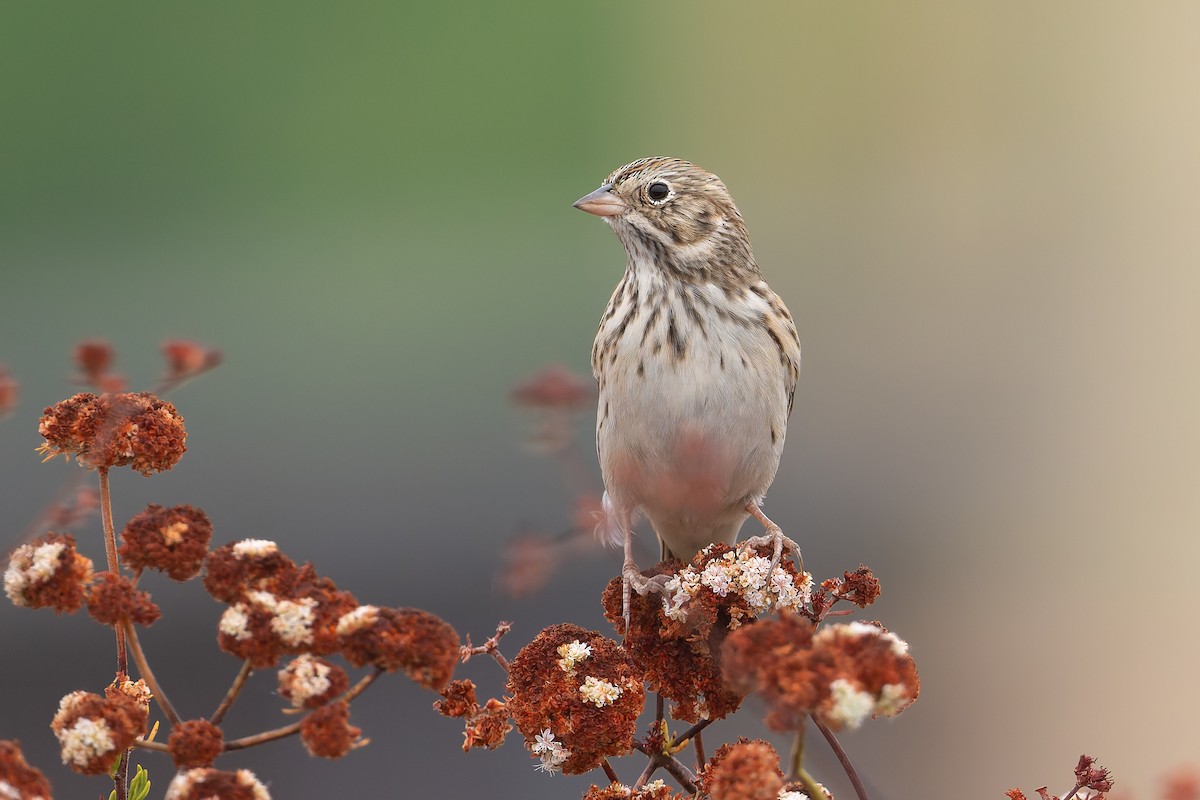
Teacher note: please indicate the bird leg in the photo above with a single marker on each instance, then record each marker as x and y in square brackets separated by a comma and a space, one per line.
[773, 537]
[633, 580]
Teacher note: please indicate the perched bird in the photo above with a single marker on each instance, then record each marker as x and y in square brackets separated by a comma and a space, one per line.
[697, 361]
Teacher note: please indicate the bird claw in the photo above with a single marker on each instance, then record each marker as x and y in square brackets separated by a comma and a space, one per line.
[775, 537]
[634, 581]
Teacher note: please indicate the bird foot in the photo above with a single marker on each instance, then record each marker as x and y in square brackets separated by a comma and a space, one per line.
[775, 537]
[633, 580]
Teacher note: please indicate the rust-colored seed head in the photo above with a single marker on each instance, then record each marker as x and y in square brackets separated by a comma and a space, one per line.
[575, 698]
[93, 731]
[677, 659]
[171, 540]
[458, 699]
[114, 430]
[487, 726]
[111, 598]
[48, 573]
[747, 770]
[93, 357]
[18, 779]
[422, 645]
[186, 358]
[9, 393]
[327, 732]
[654, 790]
[195, 743]
[295, 611]
[207, 783]
[236, 568]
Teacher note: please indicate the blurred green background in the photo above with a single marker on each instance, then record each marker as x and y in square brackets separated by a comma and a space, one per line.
[983, 216]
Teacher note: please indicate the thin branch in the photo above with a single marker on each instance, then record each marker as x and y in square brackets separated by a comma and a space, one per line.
[491, 647]
[691, 732]
[698, 744]
[651, 766]
[146, 744]
[609, 771]
[114, 566]
[232, 694]
[844, 759]
[294, 728]
[147, 674]
[121, 776]
[796, 765]
[679, 772]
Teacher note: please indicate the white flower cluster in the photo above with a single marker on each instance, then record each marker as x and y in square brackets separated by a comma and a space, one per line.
[899, 646]
[183, 783]
[356, 620]
[86, 738]
[254, 548]
[599, 692]
[551, 752]
[305, 677]
[852, 705]
[291, 620]
[572, 653]
[29, 566]
[742, 572]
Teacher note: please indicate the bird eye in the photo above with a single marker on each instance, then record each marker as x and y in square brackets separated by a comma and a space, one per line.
[658, 191]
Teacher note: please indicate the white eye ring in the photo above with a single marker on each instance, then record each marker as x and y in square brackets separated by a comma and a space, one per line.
[659, 192]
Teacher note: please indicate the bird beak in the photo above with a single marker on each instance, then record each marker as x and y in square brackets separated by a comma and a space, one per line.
[602, 202]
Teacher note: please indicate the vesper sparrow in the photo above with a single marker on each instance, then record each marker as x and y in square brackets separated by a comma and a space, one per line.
[697, 361]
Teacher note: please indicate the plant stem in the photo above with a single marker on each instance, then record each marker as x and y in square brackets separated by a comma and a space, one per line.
[672, 765]
[114, 566]
[294, 728]
[121, 777]
[609, 771]
[232, 694]
[146, 744]
[797, 762]
[844, 759]
[810, 785]
[143, 666]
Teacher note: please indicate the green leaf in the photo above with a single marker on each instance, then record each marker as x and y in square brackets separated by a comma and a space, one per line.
[139, 787]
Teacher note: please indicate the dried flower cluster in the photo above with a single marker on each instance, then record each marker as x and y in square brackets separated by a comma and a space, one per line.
[94, 357]
[675, 639]
[737, 583]
[187, 359]
[842, 674]
[206, 784]
[195, 743]
[277, 609]
[115, 430]
[18, 780]
[93, 731]
[485, 726]
[327, 733]
[746, 770]
[575, 698]
[1093, 782]
[310, 682]
[171, 540]
[652, 790]
[9, 392]
[420, 644]
[113, 598]
[48, 573]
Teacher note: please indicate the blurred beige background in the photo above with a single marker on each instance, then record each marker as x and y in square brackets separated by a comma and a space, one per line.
[983, 215]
